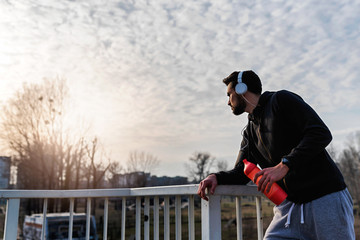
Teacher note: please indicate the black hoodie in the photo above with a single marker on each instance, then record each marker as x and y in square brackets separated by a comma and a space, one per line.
[284, 126]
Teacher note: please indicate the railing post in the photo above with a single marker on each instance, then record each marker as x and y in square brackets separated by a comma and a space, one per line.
[178, 217]
[138, 219]
[147, 218]
[156, 218]
[191, 218]
[43, 231]
[88, 218]
[106, 218]
[259, 218]
[166, 218]
[211, 218]
[123, 218]
[12, 218]
[71, 219]
[239, 218]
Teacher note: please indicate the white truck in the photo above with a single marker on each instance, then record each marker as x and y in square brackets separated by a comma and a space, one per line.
[57, 226]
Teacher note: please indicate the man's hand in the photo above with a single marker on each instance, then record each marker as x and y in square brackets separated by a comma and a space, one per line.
[209, 182]
[270, 175]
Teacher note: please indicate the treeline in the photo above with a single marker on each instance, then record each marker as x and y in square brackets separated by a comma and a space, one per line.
[348, 160]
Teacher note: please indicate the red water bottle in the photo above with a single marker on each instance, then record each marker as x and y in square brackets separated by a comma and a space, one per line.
[276, 194]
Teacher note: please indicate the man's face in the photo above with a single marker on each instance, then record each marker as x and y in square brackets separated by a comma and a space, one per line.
[236, 102]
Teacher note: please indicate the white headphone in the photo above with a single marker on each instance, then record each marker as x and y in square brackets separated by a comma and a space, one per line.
[240, 87]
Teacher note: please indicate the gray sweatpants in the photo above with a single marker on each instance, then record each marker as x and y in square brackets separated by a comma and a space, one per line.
[326, 218]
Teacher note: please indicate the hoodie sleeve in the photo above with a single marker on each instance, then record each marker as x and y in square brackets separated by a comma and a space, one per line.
[312, 133]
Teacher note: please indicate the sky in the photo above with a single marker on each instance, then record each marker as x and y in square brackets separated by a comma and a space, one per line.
[147, 75]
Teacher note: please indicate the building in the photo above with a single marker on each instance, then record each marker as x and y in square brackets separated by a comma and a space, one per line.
[165, 181]
[142, 179]
[133, 179]
[5, 166]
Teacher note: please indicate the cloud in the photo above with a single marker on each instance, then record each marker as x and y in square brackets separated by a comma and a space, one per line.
[148, 74]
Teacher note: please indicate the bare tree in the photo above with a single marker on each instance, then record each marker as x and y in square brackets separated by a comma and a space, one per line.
[222, 165]
[199, 166]
[47, 153]
[96, 167]
[32, 126]
[141, 162]
[139, 165]
[115, 170]
[350, 166]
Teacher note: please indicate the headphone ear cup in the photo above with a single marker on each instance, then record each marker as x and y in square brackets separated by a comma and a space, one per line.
[240, 88]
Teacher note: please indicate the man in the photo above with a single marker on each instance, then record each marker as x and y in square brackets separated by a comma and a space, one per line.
[287, 139]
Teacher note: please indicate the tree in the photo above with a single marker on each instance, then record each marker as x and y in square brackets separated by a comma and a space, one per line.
[139, 164]
[48, 153]
[199, 166]
[350, 166]
[96, 168]
[114, 171]
[222, 165]
[33, 128]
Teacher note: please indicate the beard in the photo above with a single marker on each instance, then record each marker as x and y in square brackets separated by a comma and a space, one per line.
[240, 108]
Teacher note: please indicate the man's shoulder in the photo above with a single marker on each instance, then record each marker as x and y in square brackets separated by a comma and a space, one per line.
[285, 94]
[282, 99]
[276, 94]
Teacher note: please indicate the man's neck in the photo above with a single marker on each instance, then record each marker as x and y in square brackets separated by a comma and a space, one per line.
[251, 100]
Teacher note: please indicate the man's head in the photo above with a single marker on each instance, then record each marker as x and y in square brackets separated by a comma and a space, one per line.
[238, 101]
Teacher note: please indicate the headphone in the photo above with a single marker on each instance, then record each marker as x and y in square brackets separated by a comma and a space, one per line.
[240, 87]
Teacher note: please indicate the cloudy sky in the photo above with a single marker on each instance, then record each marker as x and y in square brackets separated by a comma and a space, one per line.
[147, 74]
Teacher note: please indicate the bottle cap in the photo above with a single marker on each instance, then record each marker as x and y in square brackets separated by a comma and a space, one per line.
[249, 166]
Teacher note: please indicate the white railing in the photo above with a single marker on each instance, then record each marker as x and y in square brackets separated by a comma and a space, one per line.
[210, 210]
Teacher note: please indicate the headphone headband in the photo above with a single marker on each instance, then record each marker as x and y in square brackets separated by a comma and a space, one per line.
[240, 77]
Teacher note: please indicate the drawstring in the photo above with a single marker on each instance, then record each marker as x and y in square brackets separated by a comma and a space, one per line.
[302, 214]
[287, 224]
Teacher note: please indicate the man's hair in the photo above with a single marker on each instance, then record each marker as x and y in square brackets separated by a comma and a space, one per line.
[250, 78]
